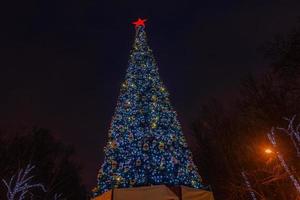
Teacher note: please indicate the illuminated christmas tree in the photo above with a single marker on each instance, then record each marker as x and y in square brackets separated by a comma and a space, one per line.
[145, 145]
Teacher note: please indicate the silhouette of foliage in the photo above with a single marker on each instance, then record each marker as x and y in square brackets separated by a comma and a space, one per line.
[56, 168]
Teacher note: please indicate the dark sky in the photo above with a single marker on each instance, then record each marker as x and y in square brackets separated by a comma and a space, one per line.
[62, 61]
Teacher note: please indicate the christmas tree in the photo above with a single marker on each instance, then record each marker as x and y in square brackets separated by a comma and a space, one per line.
[145, 145]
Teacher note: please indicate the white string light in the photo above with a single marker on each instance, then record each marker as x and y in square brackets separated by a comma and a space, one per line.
[249, 187]
[295, 182]
[293, 133]
[21, 185]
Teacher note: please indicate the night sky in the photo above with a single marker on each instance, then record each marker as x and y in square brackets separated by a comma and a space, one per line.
[62, 61]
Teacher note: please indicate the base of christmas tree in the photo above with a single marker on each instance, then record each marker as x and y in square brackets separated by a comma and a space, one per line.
[157, 192]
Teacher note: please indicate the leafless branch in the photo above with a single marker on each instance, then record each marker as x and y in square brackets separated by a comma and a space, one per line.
[19, 187]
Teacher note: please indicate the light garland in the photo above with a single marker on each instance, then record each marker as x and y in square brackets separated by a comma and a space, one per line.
[295, 182]
[293, 133]
[146, 144]
[248, 185]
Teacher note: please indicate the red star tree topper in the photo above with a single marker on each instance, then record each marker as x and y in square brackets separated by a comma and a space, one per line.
[139, 22]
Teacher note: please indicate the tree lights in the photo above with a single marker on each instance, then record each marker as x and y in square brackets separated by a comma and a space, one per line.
[146, 145]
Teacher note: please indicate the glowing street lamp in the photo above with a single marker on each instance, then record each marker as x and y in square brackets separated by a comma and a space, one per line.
[268, 151]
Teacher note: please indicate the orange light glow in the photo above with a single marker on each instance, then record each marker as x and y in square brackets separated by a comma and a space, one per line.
[268, 151]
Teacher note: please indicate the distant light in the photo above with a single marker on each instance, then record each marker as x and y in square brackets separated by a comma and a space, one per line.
[268, 151]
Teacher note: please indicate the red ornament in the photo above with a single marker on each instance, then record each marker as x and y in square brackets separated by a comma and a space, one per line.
[139, 22]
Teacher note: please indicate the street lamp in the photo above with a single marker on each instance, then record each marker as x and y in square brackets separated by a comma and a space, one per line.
[268, 151]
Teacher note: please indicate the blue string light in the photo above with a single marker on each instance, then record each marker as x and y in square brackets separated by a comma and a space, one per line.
[146, 145]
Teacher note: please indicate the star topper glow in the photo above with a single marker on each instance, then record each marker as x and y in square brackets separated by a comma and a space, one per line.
[139, 22]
